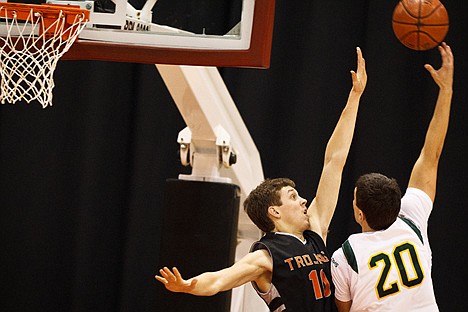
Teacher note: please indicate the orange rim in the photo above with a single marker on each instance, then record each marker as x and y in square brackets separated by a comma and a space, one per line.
[48, 11]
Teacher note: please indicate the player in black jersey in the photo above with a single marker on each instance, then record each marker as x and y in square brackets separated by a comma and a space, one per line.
[289, 267]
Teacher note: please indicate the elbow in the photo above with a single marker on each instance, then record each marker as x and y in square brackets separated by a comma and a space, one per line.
[336, 160]
[432, 155]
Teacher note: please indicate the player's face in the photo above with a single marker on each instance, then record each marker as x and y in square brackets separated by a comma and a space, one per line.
[293, 209]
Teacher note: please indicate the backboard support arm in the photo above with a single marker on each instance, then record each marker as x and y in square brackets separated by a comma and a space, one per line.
[211, 117]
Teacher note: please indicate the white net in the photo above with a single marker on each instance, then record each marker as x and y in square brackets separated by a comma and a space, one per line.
[29, 52]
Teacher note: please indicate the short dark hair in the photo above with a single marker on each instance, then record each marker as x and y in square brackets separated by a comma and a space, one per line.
[379, 198]
[263, 196]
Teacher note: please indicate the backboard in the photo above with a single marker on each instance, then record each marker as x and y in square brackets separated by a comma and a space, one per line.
[178, 32]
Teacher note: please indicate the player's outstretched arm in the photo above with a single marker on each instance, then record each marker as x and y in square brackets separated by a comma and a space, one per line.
[323, 206]
[251, 267]
[424, 173]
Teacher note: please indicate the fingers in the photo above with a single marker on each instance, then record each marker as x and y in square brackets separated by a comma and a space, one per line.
[446, 54]
[447, 58]
[164, 278]
[177, 273]
[360, 59]
[443, 76]
[429, 68]
[161, 279]
[359, 53]
[444, 48]
[354, 76]
[167, 275]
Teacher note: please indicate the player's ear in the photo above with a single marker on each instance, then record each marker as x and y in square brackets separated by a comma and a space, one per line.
[360, 215]
[273, 211]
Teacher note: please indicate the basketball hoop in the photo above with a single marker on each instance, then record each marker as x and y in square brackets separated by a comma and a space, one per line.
[32, 40]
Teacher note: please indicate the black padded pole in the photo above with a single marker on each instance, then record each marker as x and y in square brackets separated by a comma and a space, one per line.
[199, 234]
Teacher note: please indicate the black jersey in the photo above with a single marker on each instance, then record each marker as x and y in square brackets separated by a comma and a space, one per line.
[301, 280]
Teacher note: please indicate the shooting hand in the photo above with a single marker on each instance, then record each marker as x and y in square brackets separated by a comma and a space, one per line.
[444, 75]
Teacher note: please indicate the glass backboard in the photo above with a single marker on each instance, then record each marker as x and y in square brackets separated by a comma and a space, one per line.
[228, 33]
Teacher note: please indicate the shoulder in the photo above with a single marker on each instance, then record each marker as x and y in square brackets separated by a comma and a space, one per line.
[263, 242]
[416, 205]
[338, 257]
[314, 236]
[338, 252]
[261, 248]
[341, 269]
[414, 197]
[259, 258]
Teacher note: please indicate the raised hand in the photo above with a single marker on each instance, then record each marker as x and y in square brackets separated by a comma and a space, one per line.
[359, 77]
[174, 282]
[444, 75]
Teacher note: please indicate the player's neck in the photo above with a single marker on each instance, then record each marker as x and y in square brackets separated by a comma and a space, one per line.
[287, 228]
[366, 228]
[299, 237]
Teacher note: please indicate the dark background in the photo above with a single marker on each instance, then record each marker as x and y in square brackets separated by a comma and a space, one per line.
[82, 183]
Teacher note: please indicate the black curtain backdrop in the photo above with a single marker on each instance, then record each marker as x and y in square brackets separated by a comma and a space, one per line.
[81, 183]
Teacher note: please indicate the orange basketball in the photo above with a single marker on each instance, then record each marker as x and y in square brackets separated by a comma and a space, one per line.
[420, 24]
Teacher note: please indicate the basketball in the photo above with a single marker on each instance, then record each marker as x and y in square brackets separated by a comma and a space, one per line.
[420, 24]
